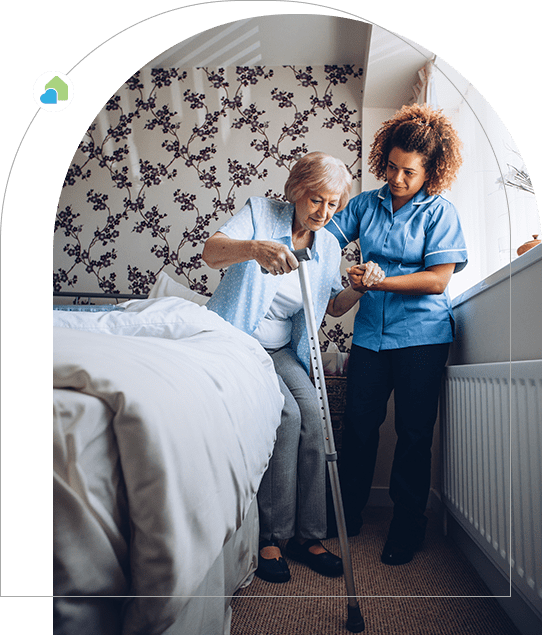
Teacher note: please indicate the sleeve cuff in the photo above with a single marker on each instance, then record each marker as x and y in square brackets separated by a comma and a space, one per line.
[445, 256]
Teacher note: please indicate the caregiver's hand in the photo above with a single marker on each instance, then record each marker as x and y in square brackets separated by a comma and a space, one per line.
[363, 277]
[275, 257]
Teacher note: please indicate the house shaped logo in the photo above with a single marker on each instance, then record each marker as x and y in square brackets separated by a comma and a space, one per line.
[56, 90]
[53, 91]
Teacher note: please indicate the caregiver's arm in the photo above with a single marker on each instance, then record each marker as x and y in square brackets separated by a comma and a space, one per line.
[222, 251]
[432, 281]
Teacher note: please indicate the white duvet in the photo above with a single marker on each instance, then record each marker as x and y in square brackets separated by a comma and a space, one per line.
[194, 405]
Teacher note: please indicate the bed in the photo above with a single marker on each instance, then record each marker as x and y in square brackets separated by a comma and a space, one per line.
[165, 417]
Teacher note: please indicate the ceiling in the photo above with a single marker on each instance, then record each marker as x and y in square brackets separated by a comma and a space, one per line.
[392, 62]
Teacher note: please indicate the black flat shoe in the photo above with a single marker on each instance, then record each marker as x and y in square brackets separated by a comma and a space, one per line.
[271, 569]
[324, 563]
[395, 554]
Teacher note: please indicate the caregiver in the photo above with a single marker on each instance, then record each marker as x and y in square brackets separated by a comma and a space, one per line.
[291, 498]
[404, 324]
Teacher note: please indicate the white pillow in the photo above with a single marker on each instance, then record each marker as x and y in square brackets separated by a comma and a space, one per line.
[167, 287]
[168, 318]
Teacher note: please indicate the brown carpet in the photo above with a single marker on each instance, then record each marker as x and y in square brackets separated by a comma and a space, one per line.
[438, 593]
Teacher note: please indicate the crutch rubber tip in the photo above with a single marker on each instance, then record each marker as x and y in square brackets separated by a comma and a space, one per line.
[355, 622]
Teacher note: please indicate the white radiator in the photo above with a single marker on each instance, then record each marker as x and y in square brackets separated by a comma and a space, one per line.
[491, 420]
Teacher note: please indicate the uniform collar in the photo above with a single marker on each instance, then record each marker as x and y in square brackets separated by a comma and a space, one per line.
[419, 199]
[384, 195]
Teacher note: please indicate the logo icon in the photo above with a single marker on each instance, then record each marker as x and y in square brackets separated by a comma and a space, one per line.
[53, 91]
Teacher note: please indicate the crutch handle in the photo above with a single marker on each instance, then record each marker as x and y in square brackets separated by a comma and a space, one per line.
[300, 254]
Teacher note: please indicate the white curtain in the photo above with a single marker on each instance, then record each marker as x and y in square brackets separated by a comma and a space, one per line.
[425, 89]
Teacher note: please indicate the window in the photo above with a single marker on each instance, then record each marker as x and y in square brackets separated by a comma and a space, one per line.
[496, 218]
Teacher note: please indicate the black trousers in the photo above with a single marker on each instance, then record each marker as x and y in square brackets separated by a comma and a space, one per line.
[414, 374]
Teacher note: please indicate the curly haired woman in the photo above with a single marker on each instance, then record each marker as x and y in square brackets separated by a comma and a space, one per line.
[404, 324]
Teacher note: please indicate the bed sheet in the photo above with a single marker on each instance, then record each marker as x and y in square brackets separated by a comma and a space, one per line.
[194, 405]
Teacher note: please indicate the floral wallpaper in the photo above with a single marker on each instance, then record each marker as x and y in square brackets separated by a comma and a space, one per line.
[175, 152]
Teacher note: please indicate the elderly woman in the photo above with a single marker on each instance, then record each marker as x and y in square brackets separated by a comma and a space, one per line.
[263, 233]
[404, 324]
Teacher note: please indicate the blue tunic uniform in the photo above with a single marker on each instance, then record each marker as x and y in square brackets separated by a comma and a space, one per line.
[426, 231]
[401, 344]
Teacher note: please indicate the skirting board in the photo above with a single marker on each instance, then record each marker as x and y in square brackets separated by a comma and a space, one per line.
[380, 497]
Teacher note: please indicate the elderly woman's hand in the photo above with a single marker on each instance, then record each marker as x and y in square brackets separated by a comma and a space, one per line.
[275, 257]
[365, 276]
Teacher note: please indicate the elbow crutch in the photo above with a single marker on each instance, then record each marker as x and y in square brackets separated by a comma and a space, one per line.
[355, 622]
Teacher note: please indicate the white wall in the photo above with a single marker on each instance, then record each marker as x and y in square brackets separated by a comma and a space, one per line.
[373, 118]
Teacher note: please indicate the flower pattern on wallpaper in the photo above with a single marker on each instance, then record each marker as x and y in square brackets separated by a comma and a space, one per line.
[175, 152]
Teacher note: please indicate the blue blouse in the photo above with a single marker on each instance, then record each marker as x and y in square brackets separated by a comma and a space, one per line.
[426, 231]
[245, 294]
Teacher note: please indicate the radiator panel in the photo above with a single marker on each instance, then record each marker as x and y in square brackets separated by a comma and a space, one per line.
[491, 419]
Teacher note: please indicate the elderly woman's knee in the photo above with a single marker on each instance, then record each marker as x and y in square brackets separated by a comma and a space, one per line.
[290, 420]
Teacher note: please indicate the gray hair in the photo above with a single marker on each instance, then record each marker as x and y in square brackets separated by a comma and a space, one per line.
[318, 171]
